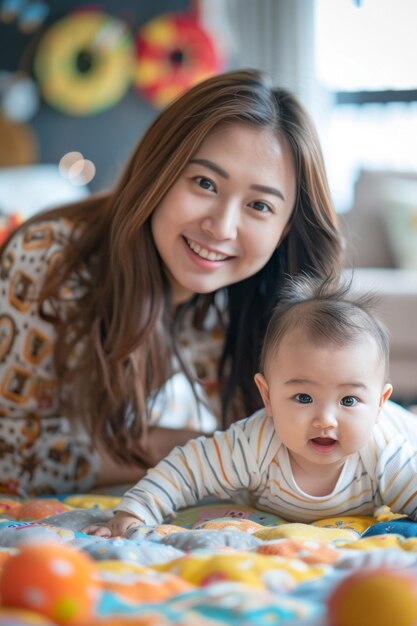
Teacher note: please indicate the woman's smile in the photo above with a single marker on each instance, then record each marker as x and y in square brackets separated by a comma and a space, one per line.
[205, 252]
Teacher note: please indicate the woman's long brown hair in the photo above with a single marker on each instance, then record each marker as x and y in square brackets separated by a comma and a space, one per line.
[117, 338]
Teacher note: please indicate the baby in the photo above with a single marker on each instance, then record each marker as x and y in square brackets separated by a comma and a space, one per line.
[316, 449]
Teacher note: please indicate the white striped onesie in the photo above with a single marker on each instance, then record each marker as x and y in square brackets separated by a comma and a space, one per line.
[249, 458]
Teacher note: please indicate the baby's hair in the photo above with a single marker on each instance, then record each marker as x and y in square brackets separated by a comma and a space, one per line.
[328, 311]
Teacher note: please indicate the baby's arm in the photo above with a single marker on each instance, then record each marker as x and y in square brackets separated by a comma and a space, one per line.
[220, 465]
[118, 526]
[174, 483]
[164, 489]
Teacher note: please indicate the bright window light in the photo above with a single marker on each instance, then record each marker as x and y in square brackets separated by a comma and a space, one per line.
[366, 47]
[370, 47]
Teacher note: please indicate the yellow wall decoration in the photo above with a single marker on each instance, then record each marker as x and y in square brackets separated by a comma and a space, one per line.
[84, 63]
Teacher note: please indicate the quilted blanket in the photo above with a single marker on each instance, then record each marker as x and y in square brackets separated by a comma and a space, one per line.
[214, 565]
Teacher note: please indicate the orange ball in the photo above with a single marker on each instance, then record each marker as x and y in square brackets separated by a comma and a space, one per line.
[38, 509]
[9, 507]
[54, 580]
[377, 597]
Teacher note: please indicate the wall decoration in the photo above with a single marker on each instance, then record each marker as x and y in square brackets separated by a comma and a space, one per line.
[32, 16]
[173, 53]
[19, 96]
[18, 145]
[29, 15]
[84, 62]
[9, 10]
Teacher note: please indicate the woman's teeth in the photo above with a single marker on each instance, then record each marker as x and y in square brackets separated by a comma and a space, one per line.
[204, 253]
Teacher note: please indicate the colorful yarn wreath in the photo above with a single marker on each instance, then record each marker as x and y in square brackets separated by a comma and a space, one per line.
[84, 63]
[173, 53]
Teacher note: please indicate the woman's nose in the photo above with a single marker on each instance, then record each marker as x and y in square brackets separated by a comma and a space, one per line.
[222, 224]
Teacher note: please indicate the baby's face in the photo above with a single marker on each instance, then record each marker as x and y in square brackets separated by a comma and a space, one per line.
[324, 399]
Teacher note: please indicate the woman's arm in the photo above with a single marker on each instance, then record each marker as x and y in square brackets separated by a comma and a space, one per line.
[160, 440]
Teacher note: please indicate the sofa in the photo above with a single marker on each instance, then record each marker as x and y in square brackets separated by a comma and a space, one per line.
[380, 232]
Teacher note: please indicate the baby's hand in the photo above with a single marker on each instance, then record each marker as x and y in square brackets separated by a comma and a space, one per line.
[118, 526]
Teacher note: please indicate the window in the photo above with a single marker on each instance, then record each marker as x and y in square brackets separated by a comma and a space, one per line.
[366, 59]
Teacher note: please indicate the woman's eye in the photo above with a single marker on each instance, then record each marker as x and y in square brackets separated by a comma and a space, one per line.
[349, 401]
[204, 183]
[262, 207]
[303, 398]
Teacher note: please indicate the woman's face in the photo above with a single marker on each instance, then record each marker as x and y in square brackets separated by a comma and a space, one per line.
[224, 216]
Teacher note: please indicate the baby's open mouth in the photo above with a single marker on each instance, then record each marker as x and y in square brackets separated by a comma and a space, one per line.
[323, 445]
[323, 441]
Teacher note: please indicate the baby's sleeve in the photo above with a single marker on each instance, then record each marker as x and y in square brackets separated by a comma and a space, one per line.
[396, 476]
[221, 465]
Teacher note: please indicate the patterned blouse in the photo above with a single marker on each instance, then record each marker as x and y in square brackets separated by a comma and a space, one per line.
[40, 451]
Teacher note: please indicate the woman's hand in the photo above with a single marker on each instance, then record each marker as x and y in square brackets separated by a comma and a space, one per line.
[118, 526]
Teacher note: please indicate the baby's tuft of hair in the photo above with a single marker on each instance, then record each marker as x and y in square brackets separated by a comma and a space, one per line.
[328, 311]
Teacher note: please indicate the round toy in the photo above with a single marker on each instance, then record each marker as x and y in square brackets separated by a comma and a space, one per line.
[84, 63]
[53, 580]
[40, 508]
[17, 617]
[8, 506]
[378, 597]
[173, 53]
[150, 618]
[311, 552]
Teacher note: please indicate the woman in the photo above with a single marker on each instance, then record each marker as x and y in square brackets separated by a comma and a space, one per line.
[138, 314]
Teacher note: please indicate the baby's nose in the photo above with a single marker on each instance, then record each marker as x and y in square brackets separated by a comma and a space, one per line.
[325, 419]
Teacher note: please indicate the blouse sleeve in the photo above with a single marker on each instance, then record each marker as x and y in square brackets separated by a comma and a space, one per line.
[27, 377]
[41, 452]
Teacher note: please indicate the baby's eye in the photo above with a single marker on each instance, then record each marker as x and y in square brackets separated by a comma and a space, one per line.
[204, 183]
[349, 401]
[262, 207]
[303, 398]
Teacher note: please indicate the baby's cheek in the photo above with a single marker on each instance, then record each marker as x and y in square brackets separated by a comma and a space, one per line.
[361, 434]
[348, 438]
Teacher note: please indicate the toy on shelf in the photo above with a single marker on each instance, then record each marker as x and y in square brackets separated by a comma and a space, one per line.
[84, 62]
[173, 53]
[29, 15]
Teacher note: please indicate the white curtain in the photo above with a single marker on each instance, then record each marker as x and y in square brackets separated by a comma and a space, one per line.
[276, 36]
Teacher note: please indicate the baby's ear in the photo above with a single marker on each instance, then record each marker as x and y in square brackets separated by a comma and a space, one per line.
[386, 392]
[263, 387]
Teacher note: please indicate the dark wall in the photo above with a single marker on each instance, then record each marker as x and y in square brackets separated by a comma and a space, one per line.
[105, 138]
